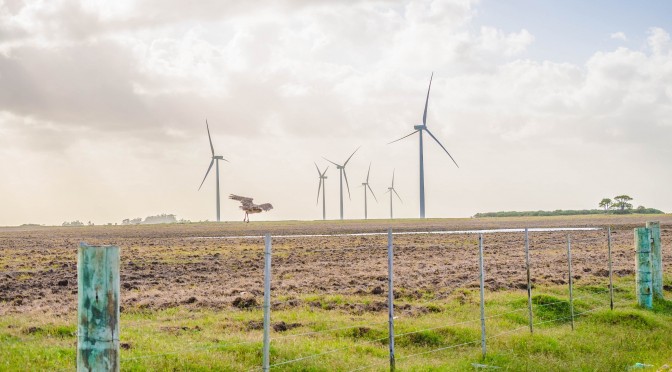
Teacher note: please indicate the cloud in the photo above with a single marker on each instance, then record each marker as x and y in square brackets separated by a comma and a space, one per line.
[619, 36]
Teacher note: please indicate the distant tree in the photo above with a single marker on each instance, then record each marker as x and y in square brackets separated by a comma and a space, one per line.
[622, 203]
[606, 203]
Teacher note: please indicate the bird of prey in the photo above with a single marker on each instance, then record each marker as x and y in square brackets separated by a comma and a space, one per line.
[249, 207]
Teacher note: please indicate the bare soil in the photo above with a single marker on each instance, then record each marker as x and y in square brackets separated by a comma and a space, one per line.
[187, 265]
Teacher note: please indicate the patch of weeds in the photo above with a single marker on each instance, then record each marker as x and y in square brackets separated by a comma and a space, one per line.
[365, 333]
[550, 308]
[454, 335]
[421, 339]
[662, 306]
[51, 331]
[538, 344]
[629, 318]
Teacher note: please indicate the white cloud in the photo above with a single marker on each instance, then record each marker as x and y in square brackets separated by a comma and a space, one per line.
[619, 36]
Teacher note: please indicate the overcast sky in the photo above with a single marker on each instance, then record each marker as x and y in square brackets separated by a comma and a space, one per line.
[543, 104]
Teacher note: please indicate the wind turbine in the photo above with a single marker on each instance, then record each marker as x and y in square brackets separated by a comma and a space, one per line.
[215, 159]
[392, 190]
[366, 185]
[419, 129]
[322, 186]
[341, 169]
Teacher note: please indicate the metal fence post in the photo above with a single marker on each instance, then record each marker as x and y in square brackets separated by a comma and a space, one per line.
[390, 294]
[611, 271]
[656, 259]
[569, 265]
[529, 282]
[644, 291]
[97, 308]
[267, 302]
[482, 280]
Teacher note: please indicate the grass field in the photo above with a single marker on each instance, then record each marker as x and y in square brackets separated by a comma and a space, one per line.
[193, 304]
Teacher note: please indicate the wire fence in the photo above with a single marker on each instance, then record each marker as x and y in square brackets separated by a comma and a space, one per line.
[477, 253]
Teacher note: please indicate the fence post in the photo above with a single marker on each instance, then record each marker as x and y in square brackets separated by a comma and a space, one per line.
[644, 291]
[482, 279]
[656, 259]
[569, 264]
[611, 271]
[390, 294]
[529, 282]
[97, 308]
[267, 302]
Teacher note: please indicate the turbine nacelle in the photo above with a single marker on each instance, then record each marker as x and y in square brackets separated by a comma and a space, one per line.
[420, 127]
[218, 157]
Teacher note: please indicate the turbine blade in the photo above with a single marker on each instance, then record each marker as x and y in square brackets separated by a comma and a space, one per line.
[346, 183]
[444, 149]
[424, 116]
[372, 193]
[318, 169]
[353, 153]
[330, 161]
[367, 173]
[408, 135]
[393, 178]
[325, 171]
[318, 192]
[210, 138]
[226, 160]
[206, 173]
[396, 193]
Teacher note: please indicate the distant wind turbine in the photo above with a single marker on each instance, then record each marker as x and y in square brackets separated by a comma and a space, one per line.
[215, 159]
[392, 190]
[341, 169]
[419, 129]
[322, 187]
[366, 185]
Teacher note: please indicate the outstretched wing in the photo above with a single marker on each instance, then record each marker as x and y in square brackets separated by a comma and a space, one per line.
[242, 199]
[266, 207]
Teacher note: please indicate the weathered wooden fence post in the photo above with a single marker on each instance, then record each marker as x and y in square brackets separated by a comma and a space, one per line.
[482, 290]
[98, 308]
[529, 281]
[266, 359]
[390, 295]
[643, 290]
[656, 259]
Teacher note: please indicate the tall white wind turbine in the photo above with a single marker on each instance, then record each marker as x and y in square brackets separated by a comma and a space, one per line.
[322, 187]
[215, 159]
[392, 190]
[341, 169]
[366, 185]
[419, 129]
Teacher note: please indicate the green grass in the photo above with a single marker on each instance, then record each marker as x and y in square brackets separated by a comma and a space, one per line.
[230, 340]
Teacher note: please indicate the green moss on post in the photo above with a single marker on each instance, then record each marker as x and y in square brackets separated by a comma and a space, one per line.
[643, 270]
[98, 308]
[656, 259]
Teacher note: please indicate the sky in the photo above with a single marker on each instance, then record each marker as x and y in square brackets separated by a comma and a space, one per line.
[543, 104]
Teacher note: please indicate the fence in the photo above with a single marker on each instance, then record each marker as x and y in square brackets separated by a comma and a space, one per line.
[555, 243]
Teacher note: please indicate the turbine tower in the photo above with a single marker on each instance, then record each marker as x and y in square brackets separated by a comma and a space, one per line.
[419, 129]
[392, 190]
[366, 185]
[341, 169]
[215, 159]
[322, 187]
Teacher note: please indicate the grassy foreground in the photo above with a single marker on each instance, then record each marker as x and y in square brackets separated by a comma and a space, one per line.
[443, 336]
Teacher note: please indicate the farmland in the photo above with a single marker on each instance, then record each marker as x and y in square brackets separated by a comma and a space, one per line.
[202, 284]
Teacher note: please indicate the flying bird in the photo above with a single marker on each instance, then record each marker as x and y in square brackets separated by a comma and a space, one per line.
[249, 207]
